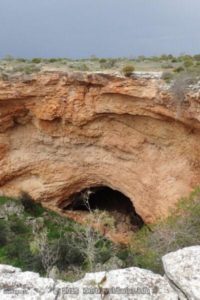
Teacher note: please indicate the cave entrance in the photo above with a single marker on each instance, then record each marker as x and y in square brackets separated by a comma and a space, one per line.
[103, 198]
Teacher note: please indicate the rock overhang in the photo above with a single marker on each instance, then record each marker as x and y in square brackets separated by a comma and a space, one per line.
[63, 132]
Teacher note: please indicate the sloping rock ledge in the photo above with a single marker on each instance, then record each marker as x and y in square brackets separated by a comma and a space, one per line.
[181, 281]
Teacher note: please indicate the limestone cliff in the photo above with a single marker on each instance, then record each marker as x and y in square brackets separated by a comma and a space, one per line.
[61, 133]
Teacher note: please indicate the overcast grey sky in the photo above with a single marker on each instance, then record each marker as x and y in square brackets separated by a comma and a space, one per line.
[106, 28]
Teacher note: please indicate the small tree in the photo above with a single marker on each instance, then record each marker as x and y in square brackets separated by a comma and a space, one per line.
[48, 251]
[178, 90]
[90, 237]
[180, 86]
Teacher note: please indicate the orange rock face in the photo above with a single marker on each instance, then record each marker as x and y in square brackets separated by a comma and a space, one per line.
[61, 133]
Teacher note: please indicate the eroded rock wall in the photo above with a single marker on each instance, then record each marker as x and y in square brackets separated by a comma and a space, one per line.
[61, 133]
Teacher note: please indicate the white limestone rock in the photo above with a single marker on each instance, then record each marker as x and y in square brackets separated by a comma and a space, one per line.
[130, 283]
[182, 268]
[181, 281]
[123, 284]
[15, 284]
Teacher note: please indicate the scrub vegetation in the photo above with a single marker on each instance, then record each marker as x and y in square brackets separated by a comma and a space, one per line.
[34, 238]
[170, 65]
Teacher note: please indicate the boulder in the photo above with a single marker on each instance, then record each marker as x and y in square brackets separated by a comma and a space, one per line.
[182, 269]
[122, 284]
[15, 284]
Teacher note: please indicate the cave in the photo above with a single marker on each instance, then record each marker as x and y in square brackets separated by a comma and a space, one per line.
[105, 198]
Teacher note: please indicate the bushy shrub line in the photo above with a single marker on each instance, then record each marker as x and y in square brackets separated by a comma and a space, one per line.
[39, 239]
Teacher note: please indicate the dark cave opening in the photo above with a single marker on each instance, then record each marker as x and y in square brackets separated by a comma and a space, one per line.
[104, 198]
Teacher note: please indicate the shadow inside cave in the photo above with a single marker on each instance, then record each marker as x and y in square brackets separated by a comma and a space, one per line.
[104, 198]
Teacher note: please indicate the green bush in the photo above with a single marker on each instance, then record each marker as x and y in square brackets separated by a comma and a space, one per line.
[3, 200]
[30, 206]
[36, 60]
[174, 60]
[18, 226]
[167, 76]
[52, 60]
[18, 251]
[9, 58]
[102, 60]
[179, 69]
[105, 250]
[27, 69]
[83, 67]
[69, 253]
[21, 59]
[188, 63]
[128, 70]
[166, 57]
[107, 63]
[167, 66]
[3, 233]
[180, 229]
[197, 57]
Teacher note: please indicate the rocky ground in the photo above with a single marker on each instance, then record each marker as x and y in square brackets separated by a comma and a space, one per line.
[181, 281]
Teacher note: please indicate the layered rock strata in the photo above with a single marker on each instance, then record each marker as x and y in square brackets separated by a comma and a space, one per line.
[61, 133]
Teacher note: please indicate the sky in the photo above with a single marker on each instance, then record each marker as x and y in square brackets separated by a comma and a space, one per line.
[105, 28]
